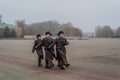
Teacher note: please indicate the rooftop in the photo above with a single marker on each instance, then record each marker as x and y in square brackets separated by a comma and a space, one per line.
[11, 26]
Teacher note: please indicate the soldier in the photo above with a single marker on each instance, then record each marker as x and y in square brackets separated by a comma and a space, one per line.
[38, 47]
[61, 50]
[49, 51]
[52, 48]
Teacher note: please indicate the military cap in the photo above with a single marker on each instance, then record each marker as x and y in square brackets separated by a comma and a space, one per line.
[60, 32]
[48, 33]
[38, 35]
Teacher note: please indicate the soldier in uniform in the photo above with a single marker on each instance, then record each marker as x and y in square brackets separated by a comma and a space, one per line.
[52, 48]
[38, 48]
[61, 42]
[49, 50]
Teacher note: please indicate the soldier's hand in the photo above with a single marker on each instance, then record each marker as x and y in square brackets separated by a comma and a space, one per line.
[67, 43]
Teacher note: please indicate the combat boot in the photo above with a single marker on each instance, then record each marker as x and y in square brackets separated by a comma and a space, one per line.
[62, 68]
[67, 65]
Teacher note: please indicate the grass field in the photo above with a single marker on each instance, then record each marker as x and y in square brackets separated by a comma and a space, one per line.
[94, 59]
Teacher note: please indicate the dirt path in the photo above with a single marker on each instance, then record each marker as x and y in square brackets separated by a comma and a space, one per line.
[77, 73]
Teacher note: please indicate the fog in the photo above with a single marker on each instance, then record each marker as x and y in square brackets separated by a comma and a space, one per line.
[84, 14]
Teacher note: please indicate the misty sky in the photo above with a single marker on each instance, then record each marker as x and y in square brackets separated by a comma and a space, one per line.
[84, 14]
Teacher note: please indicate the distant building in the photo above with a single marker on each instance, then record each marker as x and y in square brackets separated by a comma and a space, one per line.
[29, 36]
[10, 26]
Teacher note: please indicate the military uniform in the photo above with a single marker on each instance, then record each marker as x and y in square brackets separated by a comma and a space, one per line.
[52, 49]
[38, 47]
[61, 52]
[49, 51]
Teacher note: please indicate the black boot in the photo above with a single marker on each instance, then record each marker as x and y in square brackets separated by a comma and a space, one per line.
[62, 68]
[39, 61]
[67, 65]
[47, 65]
[58, 65]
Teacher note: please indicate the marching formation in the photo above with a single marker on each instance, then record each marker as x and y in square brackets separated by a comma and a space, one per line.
[50, 45]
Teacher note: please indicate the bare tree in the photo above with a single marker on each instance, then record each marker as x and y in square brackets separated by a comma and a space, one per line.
[104, 31]
[22, 25]
[78, 32]
[107, 31]
[52, 26]
[70, 30]
[42, 27]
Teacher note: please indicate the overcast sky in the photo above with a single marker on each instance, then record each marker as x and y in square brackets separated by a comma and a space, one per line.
[84, 14]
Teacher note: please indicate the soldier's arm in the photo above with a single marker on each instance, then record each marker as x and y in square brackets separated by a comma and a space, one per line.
[53, 43]
[33, 49]
[43, 42]
[39, 44]
[66, 42]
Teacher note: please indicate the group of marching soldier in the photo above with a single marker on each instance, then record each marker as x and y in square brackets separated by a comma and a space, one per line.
[48, 44]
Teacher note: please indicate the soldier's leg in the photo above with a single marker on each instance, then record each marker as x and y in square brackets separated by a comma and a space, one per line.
[58, 62]
[39, 60]
[58, 58]
[66, 62]
[51, 57]
[53, 54]
[62, 65]
[47, 58]
[51, 63]
[46, 63]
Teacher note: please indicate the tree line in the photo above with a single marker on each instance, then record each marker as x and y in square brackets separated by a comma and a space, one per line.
[52, 26]
[107, 32]
[68, 28]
